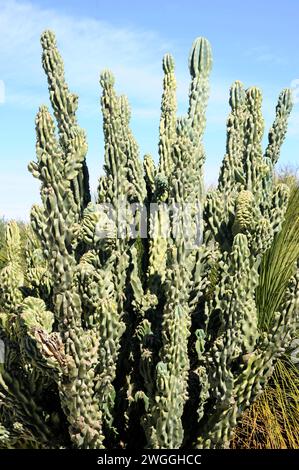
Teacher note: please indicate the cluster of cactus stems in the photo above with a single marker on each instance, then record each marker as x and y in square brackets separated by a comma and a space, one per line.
[149, 342]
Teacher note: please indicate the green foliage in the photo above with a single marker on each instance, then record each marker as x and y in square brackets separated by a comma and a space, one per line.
[120, 341]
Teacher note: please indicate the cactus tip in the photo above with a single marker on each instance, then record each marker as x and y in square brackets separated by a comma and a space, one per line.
[200, 59]
[168, 63]
[107, 78]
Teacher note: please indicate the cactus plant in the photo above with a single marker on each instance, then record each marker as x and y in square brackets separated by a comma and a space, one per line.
[113, 340]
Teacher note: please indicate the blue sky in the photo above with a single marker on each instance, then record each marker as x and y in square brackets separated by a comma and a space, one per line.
[255, 42]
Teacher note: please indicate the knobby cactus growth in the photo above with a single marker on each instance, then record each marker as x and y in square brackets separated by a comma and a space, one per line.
[151, 341]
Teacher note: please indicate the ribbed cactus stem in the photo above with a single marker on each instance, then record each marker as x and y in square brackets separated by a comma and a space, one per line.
[137, 190]
[11, 276]
[200, 66]
[231, 171]
[279, 128]
[64, 105]
[200, 58]
[168, 116]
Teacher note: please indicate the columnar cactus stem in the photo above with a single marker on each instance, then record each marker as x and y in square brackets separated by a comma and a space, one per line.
[172, 369]
[12, 277]
[168, 116]
[65, 105]
[200, 66]
[278, 130]
[254, 129]
[137, 191]
[231, 171]
[61, 213]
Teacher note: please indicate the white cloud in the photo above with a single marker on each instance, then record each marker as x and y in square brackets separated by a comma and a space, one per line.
[294, 123]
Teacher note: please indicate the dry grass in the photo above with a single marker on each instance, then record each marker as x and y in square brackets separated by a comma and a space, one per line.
[272, 422]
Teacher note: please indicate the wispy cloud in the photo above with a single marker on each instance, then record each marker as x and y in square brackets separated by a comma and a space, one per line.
[265, 55]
